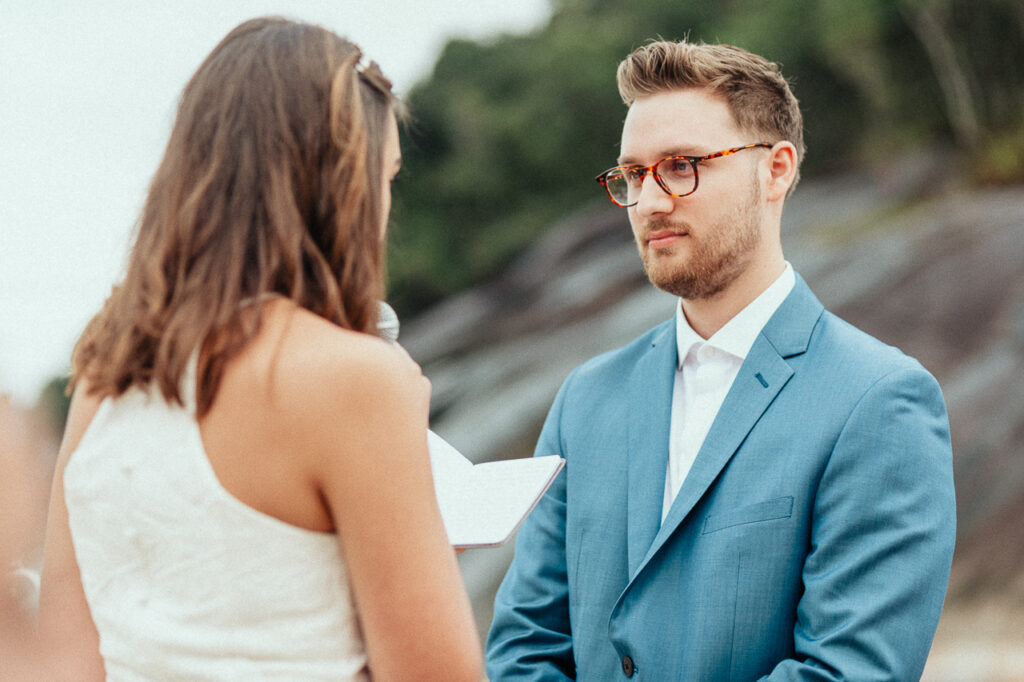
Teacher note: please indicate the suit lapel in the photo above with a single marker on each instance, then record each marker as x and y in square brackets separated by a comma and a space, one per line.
[763, 375]
[649, 403]
[743, 406]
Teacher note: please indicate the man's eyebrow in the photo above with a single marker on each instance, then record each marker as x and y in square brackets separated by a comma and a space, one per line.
[664, 154]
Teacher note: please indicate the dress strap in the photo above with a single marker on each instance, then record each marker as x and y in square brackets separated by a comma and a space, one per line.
[188, 382]
[188, 385]
[261, 298]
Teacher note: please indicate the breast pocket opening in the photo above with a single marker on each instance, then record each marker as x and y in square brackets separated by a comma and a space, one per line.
[779, 508]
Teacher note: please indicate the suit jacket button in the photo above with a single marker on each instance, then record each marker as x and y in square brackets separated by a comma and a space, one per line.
[627, 666]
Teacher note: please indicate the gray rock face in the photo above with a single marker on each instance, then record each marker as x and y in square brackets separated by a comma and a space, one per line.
[940, 277]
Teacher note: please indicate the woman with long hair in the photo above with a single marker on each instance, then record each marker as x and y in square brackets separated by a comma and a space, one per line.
[244, 489]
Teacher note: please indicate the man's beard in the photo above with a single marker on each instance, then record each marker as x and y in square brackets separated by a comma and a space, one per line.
[717, 258]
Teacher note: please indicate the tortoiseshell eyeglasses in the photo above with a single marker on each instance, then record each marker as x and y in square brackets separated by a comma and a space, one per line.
[677, 176]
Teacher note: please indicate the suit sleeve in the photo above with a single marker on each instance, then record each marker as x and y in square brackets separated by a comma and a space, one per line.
[530, 636]
[882, 539]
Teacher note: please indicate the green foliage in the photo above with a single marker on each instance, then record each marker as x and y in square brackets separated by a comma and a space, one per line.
[53, 404]
[508, 134]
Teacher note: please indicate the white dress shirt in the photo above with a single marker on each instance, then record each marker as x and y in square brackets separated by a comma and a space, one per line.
[705, 371]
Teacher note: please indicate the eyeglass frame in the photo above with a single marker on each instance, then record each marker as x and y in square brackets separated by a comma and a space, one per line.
[652, 170]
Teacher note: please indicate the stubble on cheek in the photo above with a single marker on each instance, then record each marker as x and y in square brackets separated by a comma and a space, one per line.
[685, 270]
[701, 266]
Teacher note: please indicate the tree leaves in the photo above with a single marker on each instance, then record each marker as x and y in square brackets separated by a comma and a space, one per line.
[508, 134]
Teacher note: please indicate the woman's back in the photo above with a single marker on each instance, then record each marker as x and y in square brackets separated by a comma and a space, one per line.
[184, 580]
[308, 439]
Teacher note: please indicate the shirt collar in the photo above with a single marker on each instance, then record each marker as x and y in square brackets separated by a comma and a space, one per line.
[739, 333]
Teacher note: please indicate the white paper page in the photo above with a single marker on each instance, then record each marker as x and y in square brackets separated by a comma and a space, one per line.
[448, 464]
[483, 504]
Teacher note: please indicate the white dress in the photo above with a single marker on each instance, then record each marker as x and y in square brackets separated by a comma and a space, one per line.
[183, 580]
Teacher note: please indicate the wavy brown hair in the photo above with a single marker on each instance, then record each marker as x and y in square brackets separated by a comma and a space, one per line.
[270, 184]
[758, 96]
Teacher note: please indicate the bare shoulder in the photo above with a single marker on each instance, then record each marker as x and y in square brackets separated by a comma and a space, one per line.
[310, 371]
[316, 357]
[346, 406]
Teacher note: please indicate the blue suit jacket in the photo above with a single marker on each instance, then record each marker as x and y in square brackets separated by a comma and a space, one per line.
[811, 540]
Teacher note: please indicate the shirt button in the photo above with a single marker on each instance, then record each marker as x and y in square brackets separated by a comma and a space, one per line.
[627, 666]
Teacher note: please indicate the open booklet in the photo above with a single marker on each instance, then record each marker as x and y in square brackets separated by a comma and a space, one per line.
[482, 505]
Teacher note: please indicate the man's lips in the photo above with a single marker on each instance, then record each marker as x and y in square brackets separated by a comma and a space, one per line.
[660, 239]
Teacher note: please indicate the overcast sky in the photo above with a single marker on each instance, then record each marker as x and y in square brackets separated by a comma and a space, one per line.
[87, 97]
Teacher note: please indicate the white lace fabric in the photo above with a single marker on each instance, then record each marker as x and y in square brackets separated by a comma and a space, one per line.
[186, 582]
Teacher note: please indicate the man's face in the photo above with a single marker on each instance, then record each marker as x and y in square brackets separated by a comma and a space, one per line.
[694, 246]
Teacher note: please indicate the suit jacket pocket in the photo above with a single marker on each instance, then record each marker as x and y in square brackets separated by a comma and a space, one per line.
[779, 508]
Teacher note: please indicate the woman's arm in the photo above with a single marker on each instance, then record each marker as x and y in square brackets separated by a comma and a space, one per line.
[65, 624]
[372, 468]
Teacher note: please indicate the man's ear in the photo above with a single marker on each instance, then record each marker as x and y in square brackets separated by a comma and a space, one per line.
[782, 166]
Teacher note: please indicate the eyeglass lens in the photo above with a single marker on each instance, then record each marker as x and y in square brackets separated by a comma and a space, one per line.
[676, 174]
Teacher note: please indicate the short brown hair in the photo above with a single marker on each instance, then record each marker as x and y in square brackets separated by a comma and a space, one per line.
[270, 184]
[757, 94]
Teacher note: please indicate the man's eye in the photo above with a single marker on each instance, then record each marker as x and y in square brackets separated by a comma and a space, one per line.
[675, 168]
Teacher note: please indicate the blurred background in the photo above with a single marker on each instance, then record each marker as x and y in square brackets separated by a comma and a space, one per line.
[509, 266]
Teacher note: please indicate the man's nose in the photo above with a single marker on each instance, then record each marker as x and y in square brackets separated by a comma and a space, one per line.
[653, 200]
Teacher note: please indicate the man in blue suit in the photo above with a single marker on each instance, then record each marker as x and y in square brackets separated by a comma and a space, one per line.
[753, 489]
